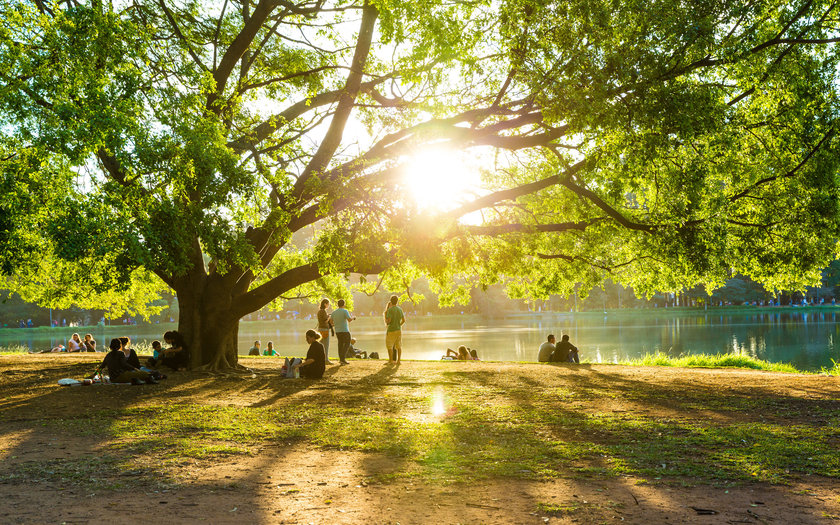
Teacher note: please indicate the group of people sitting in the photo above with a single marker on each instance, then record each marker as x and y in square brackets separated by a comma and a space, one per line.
[123, 364]
[255, 350]
[74, 344]
[562, 352]
[463, 354]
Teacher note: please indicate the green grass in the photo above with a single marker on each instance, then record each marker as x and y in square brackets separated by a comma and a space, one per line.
[14, 349]
[530, 437]
[526, 422]
[711, 361]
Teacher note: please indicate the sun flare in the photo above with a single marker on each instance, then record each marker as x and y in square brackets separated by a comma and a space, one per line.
[440, 179]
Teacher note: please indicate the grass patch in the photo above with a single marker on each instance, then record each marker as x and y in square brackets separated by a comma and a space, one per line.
[711, 361]
[478, 422]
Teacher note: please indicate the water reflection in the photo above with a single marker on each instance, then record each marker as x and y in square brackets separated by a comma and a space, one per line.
[805, 339]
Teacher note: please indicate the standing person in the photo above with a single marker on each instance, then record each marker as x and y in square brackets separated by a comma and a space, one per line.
[546, 349]
[315, 363]
[341, 321]
[325, 324]
[394, 318]
[565, 352]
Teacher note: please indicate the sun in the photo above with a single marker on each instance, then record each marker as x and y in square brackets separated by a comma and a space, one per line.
[440, 179]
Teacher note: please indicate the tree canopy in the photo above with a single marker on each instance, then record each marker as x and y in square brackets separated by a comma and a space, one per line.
[183, 143]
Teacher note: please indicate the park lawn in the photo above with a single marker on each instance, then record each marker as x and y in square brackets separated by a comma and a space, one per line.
[438, 424]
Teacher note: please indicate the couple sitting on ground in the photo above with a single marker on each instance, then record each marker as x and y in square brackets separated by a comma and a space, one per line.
[463, 354]
[564, 352]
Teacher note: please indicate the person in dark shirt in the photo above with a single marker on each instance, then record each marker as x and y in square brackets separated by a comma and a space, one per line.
[130, 355]
[565, 352]
[177, 355]
[119, 370]
[315, 363]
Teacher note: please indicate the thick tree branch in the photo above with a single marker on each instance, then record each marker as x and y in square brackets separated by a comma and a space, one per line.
[236, 49]
[606, 208]
[501, 229]
[514, 193]
[270, 290]
[332, 138]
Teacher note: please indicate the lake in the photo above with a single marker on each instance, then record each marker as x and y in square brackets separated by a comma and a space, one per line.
[804, 338]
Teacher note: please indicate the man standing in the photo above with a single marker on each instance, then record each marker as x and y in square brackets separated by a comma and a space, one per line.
[394, 318]
[546, 350]
[341, 322]
[565, 352]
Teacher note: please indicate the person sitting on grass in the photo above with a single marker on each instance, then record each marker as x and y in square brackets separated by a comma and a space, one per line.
[119, 370]
[269, 349]
[177, 355]
[462, 354]
[74, 344]
[255, 350]
[90, 343]
[565, 352]
[474, 354]
[353, 352]
[130, 355]
[315, 363]
[546, 349]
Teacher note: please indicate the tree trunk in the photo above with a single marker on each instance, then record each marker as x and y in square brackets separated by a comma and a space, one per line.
[208, 326]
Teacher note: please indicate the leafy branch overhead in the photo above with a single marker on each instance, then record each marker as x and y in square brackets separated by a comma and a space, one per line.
[246, 149]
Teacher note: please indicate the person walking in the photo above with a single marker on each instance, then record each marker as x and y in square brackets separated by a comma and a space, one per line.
[394, 318]
[325, 324]
[341, 323]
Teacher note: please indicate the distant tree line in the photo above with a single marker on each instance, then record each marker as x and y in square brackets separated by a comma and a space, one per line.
[421, 299]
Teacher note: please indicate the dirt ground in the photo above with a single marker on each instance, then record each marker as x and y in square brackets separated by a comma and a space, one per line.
[282, 483]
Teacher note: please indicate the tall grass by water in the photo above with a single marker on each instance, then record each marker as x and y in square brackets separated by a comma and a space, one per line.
[730, 360]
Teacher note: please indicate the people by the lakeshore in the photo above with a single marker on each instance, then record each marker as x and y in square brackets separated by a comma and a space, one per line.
[546, 349]
[354, 352]
[315, 363]
[178, 354]
[325, 324]
[394, 319]
[342, 318]
[74, 344]
[255, 350]
[565, 352]
[269, 349]
[55, 349]
[474, 354]
[90, 343]
[462, 354]
[119, 370]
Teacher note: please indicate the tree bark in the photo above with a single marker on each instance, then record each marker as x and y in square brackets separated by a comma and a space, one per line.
[207, 323]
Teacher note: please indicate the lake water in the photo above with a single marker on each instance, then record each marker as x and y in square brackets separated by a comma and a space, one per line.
[804, 338]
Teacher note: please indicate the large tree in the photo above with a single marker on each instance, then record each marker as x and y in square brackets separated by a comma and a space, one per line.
[664, 144]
